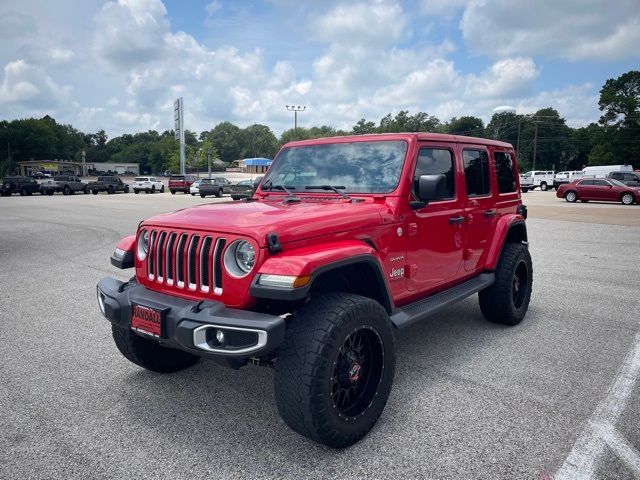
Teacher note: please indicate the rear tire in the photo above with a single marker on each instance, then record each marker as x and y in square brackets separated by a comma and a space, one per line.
[219, 193]
[95, 192]
[571, 196]
[627, 199]
[23, 192]
[335, 369]
[162, 189]
[202, 195]
[507, 300]
[110, 190]
[149, 354]
[86, 190]
[66, 190]
[173, 192]
[153, 189]
[136, 191]
[544, 187]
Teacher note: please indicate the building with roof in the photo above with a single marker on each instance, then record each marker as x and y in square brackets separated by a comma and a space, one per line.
[255, 165]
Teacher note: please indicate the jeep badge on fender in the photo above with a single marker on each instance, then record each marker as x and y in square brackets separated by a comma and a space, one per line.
[308, 275]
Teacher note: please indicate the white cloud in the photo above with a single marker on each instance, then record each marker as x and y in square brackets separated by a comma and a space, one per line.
[30, 87]
[506, 78]
[375, 23]
[61, 55]
[444, 8]
[573, 29]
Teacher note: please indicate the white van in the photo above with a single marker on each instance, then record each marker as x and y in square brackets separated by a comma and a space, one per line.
[537, 178]
[566, 177]
[602, 171]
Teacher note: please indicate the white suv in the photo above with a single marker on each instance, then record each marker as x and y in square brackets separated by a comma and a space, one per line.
[148, 184]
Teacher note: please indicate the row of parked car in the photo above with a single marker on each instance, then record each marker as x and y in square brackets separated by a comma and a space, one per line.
[71, 184]
[546, 180]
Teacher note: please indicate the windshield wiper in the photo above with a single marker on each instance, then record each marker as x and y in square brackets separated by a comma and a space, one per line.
[290, 195]
[329, 187]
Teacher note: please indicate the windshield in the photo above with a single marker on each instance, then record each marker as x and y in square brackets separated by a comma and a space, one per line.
[359, 167]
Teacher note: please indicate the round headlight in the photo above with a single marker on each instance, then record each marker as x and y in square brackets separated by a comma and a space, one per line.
[239, 258]
[143, 244]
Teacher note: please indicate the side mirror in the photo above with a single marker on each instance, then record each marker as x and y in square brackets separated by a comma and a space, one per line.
[429, 188]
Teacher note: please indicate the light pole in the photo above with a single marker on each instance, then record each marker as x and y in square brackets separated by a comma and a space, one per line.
[84, 166]
[209, 153]
[295, 109]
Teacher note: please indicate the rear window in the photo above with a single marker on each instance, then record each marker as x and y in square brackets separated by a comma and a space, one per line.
[476, 172]
[105, 179]
[505, 172]
[140, 179]
[177, 177]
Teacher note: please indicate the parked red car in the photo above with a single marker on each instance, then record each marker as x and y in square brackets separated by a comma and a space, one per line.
[180, 183]
[606, 190]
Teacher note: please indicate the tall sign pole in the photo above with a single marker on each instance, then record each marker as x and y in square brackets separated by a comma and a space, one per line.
[178, 118]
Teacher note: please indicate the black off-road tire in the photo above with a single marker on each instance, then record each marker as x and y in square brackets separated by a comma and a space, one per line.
[149, 354]
[202, 195]
[305, 370]
[66, 190]
[86, 190]
[95, 192]
[136, 191]
[173, 192]
[503, 302]
[23, 192]
[162, 189]
[111, 190]
[126, 189]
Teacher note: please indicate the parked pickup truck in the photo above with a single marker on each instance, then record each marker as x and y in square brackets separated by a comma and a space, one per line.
[345, 240]
[19, 184]
[108, 183]
[67, 184]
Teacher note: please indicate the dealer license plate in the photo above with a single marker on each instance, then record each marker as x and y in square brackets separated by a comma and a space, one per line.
[146, 320]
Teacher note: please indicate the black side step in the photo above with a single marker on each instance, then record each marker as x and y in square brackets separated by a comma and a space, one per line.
[422, 309]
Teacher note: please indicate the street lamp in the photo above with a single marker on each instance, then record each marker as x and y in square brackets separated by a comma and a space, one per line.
[209, 153]
[295, 109]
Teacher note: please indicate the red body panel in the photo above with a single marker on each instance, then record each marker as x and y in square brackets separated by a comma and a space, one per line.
[419, 251]
[128, 243]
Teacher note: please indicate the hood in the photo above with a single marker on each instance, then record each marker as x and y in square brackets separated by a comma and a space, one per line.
[290, 221]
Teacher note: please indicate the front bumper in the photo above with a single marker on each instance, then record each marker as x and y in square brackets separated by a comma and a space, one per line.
[189, 325]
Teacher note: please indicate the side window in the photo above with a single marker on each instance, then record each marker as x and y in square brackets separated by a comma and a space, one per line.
[600, 183]
[505, 172]
[476, 172]
[433, 161]
[586, 182]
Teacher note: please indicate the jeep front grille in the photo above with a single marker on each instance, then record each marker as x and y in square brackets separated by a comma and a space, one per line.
[186, 261]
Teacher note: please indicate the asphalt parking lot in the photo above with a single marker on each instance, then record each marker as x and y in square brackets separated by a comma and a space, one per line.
[470, 399]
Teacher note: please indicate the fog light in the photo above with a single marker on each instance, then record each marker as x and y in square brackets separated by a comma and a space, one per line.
[101, 303]
[220, 336]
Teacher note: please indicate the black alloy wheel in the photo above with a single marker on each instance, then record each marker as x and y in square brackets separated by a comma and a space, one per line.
[357, 373]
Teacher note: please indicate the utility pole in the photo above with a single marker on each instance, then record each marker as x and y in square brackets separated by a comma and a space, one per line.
[295, 110]
[209, 153]
[84, 164]
[535, 144]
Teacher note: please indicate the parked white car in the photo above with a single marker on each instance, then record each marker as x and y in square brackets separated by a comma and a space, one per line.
[537, 178]
[194, 189]
[147, 184]
[566, 177]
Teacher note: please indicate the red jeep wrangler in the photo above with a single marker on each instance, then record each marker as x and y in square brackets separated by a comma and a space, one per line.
[346, 240]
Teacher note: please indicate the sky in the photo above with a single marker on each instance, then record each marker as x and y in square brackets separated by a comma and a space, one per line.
[119, 65]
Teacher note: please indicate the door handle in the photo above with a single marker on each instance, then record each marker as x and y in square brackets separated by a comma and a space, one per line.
[456, 220]
[490, 213]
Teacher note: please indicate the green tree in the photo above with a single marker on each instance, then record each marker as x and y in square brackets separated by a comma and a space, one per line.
[601, 155]
[471, 126]
[258, 141]
[227, 139]
[364, 127]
